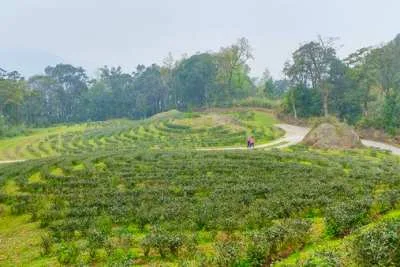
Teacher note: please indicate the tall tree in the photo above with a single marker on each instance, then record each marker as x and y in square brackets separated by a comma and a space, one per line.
[12, 94]
[150, 92]
[195, 80]
[44, 102]
[310, 66]
[73, 81]
[232, 60]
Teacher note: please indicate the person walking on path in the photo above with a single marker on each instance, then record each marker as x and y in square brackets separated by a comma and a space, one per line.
[252, 142]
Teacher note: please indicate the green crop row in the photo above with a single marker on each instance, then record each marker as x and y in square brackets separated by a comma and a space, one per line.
[166, 133]
[238, 208]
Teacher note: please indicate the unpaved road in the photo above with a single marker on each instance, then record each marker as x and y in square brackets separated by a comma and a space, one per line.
[294, 135]
[11, 161]
[394, 149]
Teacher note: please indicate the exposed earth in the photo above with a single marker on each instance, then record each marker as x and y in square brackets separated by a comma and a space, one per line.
[295, 134]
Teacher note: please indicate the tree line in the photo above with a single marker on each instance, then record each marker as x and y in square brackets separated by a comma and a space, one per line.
[65, 93]
[363, 88]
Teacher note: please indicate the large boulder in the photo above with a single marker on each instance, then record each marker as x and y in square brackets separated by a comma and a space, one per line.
[332, 135]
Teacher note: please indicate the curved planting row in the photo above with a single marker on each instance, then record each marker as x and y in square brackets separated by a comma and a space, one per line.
[209, 131]
[241, 208]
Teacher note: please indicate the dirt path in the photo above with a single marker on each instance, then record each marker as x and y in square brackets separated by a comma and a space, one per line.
[294, 135]
[11, 161]
[369, 143]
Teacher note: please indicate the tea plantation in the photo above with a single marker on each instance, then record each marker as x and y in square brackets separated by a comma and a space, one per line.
[151, 204]
[169, 130]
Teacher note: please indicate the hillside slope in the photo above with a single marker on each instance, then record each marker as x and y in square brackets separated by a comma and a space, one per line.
[170, 130]
[147, 207]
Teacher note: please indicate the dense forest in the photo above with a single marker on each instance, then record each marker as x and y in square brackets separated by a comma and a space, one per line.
[65, 93]
[362, 89]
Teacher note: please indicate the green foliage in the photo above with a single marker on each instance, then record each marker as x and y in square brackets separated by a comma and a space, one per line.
[379, 246]
[162, 241]
[7, 130]
[322, 259]
[227, 252]
[303, 101]
[363, 89]
[46, 244]
[235, 207]
[256, 102]
[196, 81]
[68, 253]
[269, 244]
[344, 217]
[172, 129]
[391, 113]
[65, 94]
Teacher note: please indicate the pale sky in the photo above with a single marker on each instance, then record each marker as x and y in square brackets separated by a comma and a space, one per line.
[93, 33]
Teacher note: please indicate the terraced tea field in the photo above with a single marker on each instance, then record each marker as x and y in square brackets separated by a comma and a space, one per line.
[191, 208]
[171, 130]
[138, 193]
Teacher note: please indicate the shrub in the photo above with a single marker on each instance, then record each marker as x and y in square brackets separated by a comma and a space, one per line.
[322, 259]
[258, 249]
[119, 257]
[257, 102]
[96, 238]
[379, 246]
[46, 243]
[269, 244]
[344, 217]
[227, 252]
[68, 253]
[162, 242]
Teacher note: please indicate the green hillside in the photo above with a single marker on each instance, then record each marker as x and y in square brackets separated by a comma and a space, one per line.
[169, 130]
[200, 134]
[152, 207]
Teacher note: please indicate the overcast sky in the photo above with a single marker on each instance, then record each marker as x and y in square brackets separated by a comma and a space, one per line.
[93, 33]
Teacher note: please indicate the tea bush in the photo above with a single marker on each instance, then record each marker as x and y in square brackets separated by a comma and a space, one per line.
[169, 132]
[379, 246]
[151, 206]
[344, 217]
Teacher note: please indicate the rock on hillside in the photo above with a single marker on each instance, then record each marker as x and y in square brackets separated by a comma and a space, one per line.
[329, 135]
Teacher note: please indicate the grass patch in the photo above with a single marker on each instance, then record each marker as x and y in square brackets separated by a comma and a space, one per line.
[11, 188]
[79, 167]
[35, 178]
[20, 242]
[57, 172]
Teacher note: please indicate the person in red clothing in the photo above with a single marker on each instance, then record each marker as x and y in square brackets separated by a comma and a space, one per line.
[252, 142]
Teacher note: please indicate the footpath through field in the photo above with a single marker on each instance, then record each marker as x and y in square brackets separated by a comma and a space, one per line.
[294, 135]
[11, 161]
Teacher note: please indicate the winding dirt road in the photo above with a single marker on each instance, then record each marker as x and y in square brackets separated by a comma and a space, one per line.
[11, 161]
[294, 135]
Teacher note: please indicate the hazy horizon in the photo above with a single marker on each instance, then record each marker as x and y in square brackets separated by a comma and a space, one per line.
[127, 33]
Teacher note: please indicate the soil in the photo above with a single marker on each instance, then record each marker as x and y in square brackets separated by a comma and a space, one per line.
[328, 135]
